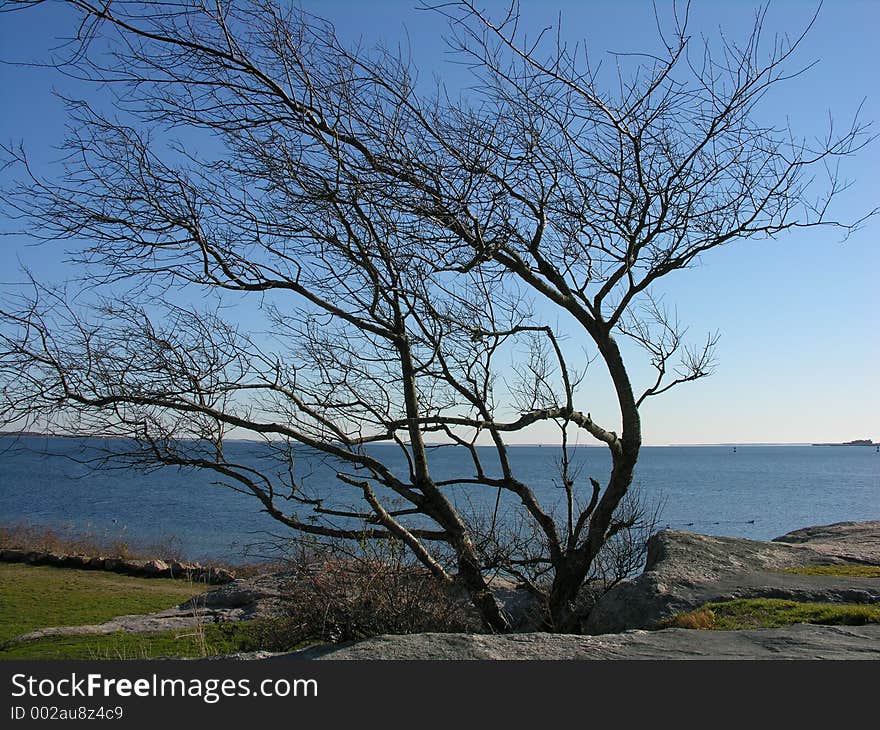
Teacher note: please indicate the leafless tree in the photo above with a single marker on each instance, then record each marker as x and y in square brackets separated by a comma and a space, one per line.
[406, 247]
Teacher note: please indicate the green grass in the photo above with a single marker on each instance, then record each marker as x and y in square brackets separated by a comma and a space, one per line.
[217, 639]
[764, 613]
[35, 597]
[846, 571]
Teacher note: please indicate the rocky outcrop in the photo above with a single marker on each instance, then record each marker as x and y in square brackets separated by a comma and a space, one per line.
[173, 619]
[853, 541]
[685, 570]
[154, 568]
[795, 642]
[262, 596]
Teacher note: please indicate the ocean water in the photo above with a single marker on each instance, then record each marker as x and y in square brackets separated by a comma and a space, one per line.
[758, 492]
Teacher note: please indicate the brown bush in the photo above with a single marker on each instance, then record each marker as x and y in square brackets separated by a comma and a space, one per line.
[334, 595]
[68, 542]
[703, 618]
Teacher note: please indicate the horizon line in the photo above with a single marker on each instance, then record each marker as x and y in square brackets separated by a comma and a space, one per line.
[514, 445]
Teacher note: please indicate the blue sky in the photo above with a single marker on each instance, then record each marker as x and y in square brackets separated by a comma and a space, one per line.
[798, 317]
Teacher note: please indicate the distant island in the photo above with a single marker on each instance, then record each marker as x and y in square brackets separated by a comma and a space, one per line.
[857, 442]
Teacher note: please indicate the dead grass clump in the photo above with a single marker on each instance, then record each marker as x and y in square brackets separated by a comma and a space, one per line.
[702, 618]
[67, 541]
[38, 538]
[336, 594]
[344, 600]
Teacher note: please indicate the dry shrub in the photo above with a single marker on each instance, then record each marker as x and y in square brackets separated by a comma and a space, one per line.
[702, 618]
[65, 541]
[70, 541]
[336, 594]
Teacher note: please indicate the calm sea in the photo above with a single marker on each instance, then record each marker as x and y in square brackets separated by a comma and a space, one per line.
[757, 492]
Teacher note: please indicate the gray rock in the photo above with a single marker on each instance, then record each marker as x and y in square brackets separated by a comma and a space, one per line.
[685, 570]
[174, 619]
[254, 597]
[794, 642]
[854, 541]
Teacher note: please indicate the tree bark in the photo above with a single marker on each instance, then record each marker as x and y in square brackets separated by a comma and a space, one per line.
[572, 569]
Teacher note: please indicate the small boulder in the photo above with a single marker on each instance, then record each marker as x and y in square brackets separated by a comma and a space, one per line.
[75, 561]
[132, 567]
[221, 575]
[156, 568]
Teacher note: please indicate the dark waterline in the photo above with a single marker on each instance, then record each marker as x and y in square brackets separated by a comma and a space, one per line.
[758, 492]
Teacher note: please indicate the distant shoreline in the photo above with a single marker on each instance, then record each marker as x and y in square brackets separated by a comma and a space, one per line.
[856, 442]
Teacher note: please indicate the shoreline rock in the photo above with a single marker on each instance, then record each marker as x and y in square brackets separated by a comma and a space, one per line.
[154, 568]
[685, 570]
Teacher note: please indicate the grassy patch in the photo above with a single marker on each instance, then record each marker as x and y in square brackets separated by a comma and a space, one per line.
[36, 597]
[211, 641]
[845, 571]
[765, 613]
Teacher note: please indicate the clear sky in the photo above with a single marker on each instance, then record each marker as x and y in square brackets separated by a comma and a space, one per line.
[799, 354]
